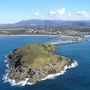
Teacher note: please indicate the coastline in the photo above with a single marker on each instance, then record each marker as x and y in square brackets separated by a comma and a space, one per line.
[61, 42]
[51, 36]
[37, 35]
[27, 35]
[25, 82]
[51, 76]
[2, 35]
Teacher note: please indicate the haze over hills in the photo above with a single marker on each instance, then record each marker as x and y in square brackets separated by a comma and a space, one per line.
[39, 22]
[39, 26]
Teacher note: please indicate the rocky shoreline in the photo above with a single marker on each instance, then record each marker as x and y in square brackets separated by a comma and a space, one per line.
[51, 76]
[31, 75]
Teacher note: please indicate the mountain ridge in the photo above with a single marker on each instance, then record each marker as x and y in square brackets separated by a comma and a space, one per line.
[40, 22]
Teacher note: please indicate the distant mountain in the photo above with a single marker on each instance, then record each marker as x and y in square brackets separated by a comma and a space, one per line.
[38, 22]
[34, 22]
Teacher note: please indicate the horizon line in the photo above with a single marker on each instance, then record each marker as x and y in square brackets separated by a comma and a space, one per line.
[44, 20]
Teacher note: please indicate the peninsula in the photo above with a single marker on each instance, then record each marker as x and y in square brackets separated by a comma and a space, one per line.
[34, 62]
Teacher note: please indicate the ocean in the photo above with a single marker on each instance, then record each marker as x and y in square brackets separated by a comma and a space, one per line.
[73, 79]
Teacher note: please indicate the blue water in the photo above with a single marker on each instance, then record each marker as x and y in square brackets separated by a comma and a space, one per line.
[74, 79]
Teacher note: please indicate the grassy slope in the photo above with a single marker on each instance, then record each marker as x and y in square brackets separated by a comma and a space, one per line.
[38, 55]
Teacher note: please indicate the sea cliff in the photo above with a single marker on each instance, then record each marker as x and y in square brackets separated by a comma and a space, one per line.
[34, 62]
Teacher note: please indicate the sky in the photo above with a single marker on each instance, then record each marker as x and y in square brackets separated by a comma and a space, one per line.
[12, 11]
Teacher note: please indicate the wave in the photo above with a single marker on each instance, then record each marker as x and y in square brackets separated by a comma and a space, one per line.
[51, 76]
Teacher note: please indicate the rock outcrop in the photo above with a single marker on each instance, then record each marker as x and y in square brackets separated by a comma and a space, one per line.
[35, 62]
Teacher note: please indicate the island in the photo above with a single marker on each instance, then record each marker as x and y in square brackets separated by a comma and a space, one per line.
[33, 62]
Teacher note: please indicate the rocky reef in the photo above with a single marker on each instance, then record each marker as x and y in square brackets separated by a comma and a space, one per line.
[35, 62]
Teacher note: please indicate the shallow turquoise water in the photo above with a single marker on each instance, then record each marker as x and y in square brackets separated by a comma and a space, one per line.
[74, 79]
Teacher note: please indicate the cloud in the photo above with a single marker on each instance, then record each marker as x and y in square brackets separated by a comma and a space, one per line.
[60, 12]
[57, 14]
[81, 14]
[36, 13]
[63, 14]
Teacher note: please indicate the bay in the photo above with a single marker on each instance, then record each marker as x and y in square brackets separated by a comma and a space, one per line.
[74, 79]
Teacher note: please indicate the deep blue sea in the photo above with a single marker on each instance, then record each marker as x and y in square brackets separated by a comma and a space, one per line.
[74, 79]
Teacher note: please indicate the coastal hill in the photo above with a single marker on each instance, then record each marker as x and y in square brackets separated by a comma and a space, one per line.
[35, 62]
[37, 26]
[40, 22]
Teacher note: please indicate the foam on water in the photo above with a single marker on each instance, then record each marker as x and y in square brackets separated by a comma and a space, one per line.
[51, 76]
